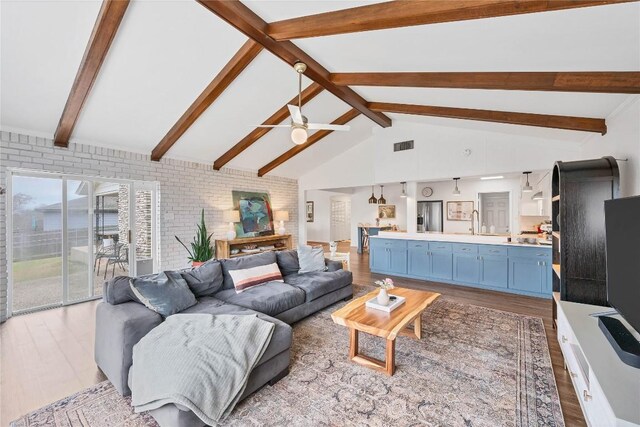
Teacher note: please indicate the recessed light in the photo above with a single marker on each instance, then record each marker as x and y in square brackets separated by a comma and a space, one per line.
[487, 178]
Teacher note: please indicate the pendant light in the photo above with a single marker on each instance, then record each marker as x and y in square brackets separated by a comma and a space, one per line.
[382, 200]
[404, 190]
[456, 190]
[527, 187]
[372, 199]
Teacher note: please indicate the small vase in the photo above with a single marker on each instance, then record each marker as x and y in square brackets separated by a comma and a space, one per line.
[383, 297]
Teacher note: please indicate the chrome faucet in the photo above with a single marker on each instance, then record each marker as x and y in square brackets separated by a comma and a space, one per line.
[473, 228]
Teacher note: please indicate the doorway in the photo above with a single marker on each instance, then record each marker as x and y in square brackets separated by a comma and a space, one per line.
[340, 226]
[494, 211]
[66, 234]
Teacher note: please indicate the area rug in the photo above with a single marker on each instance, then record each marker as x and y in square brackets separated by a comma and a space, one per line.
[473, 367]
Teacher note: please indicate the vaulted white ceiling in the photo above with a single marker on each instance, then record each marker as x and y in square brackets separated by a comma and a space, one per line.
[166, 52]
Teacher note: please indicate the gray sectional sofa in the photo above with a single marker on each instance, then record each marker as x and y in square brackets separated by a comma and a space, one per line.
[122, 320]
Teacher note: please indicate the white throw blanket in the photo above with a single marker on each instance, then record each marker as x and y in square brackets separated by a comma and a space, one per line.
[199, 361]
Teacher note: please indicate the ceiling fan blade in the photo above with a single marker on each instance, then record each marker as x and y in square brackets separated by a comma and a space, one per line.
[314, 126]
[273, 126]
[296, 115]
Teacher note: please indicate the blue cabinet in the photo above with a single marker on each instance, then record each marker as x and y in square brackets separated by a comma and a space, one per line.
[441, 265]
[466, 268]
[518, 269]
[419, 262]
[388, 256]
[494, 271]
[428, 263]
[397, 261]
[529, 275]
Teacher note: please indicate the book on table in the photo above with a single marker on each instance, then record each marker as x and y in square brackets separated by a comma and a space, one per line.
[395, 301]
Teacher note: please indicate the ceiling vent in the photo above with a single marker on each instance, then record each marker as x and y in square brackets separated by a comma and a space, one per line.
[402, 146]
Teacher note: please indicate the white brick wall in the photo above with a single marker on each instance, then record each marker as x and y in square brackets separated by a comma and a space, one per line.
[185, 188]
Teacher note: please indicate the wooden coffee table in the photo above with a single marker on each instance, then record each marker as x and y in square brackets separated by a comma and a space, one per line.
[404, 320]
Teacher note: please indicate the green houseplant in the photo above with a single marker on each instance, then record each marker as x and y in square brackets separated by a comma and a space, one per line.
[201, 250]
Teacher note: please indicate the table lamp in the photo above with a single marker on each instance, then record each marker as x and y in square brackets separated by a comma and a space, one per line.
[231, 217]
[281, 216]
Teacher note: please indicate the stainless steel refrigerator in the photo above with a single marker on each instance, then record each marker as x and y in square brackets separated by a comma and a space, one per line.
[429, 216]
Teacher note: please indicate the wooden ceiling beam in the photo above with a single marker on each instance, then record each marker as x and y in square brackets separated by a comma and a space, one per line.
[218, 85]
[584, 124]
[245, 20]
[317, 136]
[590, 81]
[396, 14]
[104, 30]
[307, 95]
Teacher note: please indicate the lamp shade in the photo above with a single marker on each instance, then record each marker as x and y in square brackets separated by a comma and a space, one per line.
[281, 216]
[231, 216]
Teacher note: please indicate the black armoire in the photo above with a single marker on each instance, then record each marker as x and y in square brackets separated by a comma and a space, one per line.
[579, 190]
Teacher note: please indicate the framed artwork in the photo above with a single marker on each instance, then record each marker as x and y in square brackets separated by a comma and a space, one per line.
[386, 211]
[256, 216]
[310, 212]
[459, 211]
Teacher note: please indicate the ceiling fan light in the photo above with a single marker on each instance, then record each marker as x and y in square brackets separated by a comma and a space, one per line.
[298, 135]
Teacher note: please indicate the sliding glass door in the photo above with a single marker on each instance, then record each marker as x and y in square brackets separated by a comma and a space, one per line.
[36, 218]
[69, 234]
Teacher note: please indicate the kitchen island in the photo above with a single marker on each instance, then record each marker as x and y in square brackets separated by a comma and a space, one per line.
[488, 262]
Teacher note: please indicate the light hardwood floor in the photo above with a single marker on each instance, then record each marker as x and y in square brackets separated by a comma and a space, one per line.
[48, 355]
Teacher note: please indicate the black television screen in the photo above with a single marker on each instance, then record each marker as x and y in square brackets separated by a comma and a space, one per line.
[622, 223]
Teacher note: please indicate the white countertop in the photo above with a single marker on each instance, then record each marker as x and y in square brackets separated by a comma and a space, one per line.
[455, 238]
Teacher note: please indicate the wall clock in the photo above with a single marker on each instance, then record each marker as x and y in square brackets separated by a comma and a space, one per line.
[427, 191]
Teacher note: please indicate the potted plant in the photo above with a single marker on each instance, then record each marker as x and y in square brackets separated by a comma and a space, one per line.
[201, 250]
[385, 285]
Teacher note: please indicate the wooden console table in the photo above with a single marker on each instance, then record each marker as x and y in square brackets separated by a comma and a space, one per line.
[224, 246]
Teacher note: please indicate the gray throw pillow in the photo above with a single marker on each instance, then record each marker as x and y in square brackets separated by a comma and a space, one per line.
[205, 280]
[165, 293]
[311, 259]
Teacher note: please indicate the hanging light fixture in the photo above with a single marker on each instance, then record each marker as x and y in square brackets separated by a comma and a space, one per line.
[372, 199]
[456, 190]
[527, 188]
[382, 200]
[404, 190]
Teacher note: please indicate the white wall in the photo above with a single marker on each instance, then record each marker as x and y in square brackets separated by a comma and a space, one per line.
[363, 212]
[320, 229]
[621, 141]
[439, 154]
[469, 190]
[185, 188]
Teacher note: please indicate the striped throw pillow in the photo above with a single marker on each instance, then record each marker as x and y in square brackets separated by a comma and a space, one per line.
[254, 276]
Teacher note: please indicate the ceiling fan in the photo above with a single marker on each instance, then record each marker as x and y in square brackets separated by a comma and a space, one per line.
[299, 124]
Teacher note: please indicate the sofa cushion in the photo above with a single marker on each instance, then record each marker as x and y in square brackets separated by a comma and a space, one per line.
[243, 262]
[205, 305]
[311, 259]
[117, 290]
[244, 280]
[165, 293]
[271, 298]
[319, 283]
[288, 262]
[280, 340]
[204, 280]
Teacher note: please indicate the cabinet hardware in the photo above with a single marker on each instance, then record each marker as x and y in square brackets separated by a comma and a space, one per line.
[564, 339]
[586, 396]
[573, 374]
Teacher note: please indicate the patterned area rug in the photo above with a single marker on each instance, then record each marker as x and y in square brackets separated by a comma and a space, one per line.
[474, 367]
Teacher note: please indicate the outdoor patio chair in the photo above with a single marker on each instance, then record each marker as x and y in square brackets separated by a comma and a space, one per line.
[105, 249]
[119, 257]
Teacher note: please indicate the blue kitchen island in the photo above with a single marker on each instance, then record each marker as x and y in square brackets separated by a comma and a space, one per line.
[487, 262]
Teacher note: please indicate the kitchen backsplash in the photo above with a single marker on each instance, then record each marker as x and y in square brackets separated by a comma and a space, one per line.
[528, 222]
